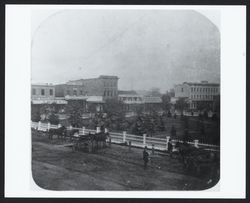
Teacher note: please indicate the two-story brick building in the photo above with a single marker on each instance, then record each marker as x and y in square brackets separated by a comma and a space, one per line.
[104, 86]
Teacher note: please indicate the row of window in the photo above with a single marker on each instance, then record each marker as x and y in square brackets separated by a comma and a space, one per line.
[42, 92]
[109, 93]
[75, 92]
[109, 84]
[202, 89]
[131, 99]
[201, 96]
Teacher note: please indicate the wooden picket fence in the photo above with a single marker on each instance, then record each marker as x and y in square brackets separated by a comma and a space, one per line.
[129, 139]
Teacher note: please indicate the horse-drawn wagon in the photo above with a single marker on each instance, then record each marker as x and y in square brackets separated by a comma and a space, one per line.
[89, 142]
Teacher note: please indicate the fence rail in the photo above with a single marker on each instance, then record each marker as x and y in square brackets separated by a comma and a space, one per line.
[141, 141]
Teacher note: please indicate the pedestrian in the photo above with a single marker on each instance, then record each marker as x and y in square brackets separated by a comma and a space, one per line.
[170, 147]
[145, 157]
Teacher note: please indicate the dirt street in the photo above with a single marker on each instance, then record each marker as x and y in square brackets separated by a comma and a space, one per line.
[56, 167]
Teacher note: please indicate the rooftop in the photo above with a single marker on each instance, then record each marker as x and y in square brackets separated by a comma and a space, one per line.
[42, 84]
[202, 83]
[123, 92]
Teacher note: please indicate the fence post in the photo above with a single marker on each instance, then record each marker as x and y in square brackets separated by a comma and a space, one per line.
[168, 138]
[196, 142]
[124, 136]
[98, 130]
[70, 127]
[59, 125]
[144, 139]
[39, 125]
[48, 126]
[83, 130]
[106, 130]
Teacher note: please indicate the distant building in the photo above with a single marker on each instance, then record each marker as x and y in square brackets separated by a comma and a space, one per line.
[198, 95]
[104, 86]
[133, 101]
[42, 91]
[45, 94]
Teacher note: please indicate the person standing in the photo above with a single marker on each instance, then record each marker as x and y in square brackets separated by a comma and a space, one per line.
[145, 157]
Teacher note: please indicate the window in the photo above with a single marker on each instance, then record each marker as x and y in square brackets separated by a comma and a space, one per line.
[181, 89]
[50, 92]
[33, 91]
[68, 92]
[75, 92]
[42, 92]
[81, 92]
[191, 89]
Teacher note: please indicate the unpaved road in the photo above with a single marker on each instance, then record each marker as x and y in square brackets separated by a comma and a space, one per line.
[56, 167]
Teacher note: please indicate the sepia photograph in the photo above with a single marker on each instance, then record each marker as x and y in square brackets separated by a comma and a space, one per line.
[125, 99]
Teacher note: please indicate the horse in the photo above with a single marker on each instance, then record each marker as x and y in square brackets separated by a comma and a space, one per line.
[60, 132]
[71, 133]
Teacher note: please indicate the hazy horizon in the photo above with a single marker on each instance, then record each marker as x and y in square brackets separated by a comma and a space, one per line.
[145, 48]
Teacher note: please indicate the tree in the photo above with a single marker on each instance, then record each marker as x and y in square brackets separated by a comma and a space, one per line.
[202, 106]
[53, 119]
[216, 104]
[45, 110]
[35, 116]
[166, 102]
[75, 110]
[115, 114]
[173, 131]
[181, 104]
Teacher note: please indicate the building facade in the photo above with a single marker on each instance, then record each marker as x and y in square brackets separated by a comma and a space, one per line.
[105, 86]
[134, 102]
[199, 95]
[45, 94]
[42, 91]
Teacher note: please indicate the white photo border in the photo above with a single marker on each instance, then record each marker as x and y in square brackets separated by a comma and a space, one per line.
[18, 175]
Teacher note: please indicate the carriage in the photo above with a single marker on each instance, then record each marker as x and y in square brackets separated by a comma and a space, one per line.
[199, 161]
[89, 142]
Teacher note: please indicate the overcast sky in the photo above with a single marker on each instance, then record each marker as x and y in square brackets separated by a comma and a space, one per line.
[144, 48]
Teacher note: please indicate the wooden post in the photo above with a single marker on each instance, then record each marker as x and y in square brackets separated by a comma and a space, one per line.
[124, 136]
[168, 138]
[39, 125]
[196, 142]
[106, 130]
[70, 127]
[129, 145]
[83, 130]
[48, 126]
[98, 129]
[144, 139]
[59, 125]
